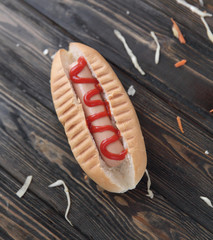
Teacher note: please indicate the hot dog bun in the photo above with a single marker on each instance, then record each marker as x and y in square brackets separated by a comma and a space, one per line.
[71, 114]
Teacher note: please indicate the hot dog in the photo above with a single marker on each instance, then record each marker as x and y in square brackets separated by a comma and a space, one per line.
[99, 120]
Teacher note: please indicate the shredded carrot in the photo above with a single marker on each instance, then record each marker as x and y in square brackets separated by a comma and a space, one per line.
[180, 35]
[180, 124]
[211, 111]
[180, 63]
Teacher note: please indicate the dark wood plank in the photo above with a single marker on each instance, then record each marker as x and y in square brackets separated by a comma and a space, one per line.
[30, 217]
[187, 89]
[41, 155]
[32, 142]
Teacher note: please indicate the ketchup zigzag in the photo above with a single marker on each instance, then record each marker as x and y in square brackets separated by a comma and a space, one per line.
[92, 103]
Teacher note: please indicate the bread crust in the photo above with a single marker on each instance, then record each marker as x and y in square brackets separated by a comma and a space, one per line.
[71, 115]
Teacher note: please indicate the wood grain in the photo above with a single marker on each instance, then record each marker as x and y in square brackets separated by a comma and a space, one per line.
[188, 89]
[32, 142]
[30, 217]
[41, 155]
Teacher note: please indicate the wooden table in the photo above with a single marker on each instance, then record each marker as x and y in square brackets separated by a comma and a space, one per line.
[32, 141]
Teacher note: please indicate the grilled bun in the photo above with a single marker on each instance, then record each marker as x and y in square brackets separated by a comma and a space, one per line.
[71, 114]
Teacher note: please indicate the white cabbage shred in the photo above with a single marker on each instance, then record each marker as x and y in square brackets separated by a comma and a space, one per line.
[131, 91]
[129, 52]
[52, 57]
[207, 152]
[45, 52]
[175, 32]
[202, 14]
[66, 190]
[157, 53]
[207, 201]
[201, 3]
[24, 188]
[194, 9]
[208, 31]
[150, 193]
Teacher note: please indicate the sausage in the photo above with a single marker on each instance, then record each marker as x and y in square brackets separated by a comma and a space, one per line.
[81, 89]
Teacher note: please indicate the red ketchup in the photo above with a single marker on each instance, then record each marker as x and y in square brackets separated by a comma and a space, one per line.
[75, 70]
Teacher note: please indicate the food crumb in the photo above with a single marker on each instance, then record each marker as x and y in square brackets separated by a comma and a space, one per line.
[131, 91]
[127, 12]
[85, 177]
[46, 51]
[207, 201]
[99, 188]
[24, 188]
[17, 45]
[53, 56]
[180, 63]
[207, 152]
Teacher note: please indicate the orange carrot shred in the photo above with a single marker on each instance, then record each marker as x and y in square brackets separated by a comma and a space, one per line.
[180, 63]
[180, 124]
[180, 35]
[211, 111]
